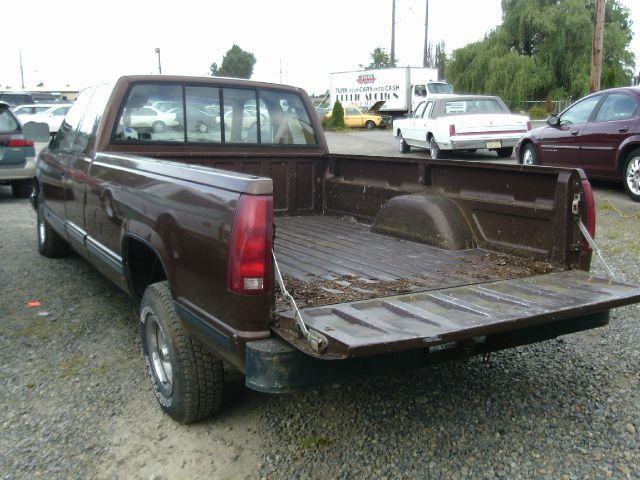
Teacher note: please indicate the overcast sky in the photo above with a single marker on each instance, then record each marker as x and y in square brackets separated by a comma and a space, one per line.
[83, 42]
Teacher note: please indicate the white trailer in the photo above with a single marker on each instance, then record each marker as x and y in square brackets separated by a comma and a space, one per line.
[400, 88]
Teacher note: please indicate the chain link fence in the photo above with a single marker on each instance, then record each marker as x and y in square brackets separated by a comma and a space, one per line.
[526, 105]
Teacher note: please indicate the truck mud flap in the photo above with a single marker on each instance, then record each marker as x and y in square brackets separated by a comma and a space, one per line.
[440, 319]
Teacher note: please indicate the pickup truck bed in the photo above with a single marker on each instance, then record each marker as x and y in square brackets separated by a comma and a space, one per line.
[327, 259]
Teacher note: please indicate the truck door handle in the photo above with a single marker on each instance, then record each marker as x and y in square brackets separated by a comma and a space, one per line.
[624, 130]
[575, 132]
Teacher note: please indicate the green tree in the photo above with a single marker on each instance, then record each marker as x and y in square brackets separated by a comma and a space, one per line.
[337, 115]
[236, 63]
[380, 59]
[543, 48]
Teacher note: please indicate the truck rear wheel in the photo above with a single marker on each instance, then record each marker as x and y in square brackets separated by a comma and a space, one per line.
[186, 378]
[50, 244]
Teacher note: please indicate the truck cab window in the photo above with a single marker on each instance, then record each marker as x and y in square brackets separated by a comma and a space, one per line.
[203, 115]
[89, 126]
[289, 122]
[146, 115]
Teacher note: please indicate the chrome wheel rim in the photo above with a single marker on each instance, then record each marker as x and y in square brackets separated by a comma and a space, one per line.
[633, 175]
[527, 157]
[159, 355]
[41, 230]
[400, 141]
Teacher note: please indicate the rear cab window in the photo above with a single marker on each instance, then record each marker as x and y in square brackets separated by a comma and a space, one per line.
[159, 113]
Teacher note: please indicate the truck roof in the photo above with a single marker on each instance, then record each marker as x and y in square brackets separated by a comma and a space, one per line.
[218, 81]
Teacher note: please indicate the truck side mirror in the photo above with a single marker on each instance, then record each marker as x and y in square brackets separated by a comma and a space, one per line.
[36, 131]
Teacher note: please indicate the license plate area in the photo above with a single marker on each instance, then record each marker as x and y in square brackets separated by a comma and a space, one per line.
[494, 144]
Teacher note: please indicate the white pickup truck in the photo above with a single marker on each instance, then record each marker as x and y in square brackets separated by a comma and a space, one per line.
[461, 122]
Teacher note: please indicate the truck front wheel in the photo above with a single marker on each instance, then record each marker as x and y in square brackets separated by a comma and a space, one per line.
[369, 125]
[187, 379]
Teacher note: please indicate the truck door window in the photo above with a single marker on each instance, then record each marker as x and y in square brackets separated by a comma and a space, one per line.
[202, 114]
[420, 91]
[142, 117]
[288, 120]
[66, 136]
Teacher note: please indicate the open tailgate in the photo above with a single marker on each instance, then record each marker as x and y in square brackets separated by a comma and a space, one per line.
[438, 317]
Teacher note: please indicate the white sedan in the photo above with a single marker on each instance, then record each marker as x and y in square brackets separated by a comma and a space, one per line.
[52, 117]
[461, 122]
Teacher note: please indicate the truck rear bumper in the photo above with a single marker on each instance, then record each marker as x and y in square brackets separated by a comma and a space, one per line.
[274, 366]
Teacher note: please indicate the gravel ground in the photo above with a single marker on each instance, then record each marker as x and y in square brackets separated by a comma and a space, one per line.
[77, 404]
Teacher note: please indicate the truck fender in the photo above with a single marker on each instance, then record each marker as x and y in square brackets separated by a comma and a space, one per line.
[425, 218]
[144, 234]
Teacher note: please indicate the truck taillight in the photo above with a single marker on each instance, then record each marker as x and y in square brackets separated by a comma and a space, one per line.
[590, 205]
[528, 125]
[452, 130]
[19, 142]
[250, 267]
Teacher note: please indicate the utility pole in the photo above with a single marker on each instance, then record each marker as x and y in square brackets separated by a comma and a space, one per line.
[425, 55]
[393, 33]
[21, 70]
[159, 64]
[596, 49]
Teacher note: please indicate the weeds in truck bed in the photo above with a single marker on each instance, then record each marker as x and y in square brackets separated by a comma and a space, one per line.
[494, 266]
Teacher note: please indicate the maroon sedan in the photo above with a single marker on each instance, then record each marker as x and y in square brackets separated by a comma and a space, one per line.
[599, 133]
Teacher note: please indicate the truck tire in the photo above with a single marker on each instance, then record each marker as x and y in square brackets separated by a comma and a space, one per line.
[50, 244]
[404, 146]
[21, 188]
[631, 175]
[186, 378]
[505, 152]
[369, 125]
[434, 149]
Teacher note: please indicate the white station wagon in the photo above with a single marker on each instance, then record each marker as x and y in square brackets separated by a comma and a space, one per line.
[461, 122]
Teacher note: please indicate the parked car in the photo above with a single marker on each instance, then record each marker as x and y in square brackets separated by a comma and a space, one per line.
[151, 118]
[600, 133]
[32, 109]
[52, 116]
[16, 98]
[197, 120]
[17, 155]
[463, 123]
[201, 234]
[356, 118]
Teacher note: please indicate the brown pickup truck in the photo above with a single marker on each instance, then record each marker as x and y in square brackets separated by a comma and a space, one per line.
[217, 204]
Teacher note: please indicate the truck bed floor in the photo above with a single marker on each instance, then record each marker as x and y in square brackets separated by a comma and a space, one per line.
[327, 259]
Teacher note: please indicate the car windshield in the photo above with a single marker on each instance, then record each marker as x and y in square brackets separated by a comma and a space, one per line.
[439, 88]
[473, 106]
[8, 122]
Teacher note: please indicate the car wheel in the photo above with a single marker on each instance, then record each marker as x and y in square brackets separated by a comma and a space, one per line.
[21, 188]
[529, 156]
[158, 126]
[186, 378]
[369, 125]
[202, 127]
[632, 175]
[505, 152]
[50, 244]
[434, 150]
[404, 146]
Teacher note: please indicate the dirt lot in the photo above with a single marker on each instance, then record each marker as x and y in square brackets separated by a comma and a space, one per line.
[76, 402]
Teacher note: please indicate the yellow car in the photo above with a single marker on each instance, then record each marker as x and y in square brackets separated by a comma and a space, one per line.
[356, 118]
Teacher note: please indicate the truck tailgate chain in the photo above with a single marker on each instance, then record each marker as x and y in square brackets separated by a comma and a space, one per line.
[316, 341]
[589, 238]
